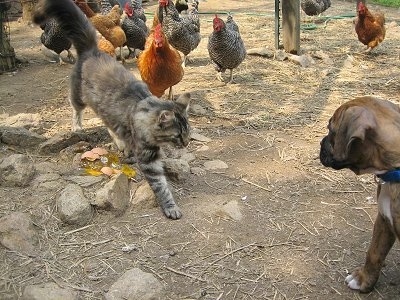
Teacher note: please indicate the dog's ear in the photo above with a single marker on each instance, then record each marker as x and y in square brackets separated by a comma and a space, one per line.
[358, 121]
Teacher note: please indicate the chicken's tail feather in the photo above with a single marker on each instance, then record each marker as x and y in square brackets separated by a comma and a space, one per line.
[72, 21]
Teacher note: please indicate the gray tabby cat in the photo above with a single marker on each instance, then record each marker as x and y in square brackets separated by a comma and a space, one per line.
[139, 121]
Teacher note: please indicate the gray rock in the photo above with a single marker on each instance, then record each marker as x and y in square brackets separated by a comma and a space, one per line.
[21, 137]
[198, 110]
[46, 167]
[85, 181]
[135, 284]
[215, 165]
[303, 60]
[17, 233]
[64, 140]
[143, 196]
[73, 207]
[114, 195]
[22, 120]
[198, 171]
[48, 291]
[230, 210]
[16, 170]
[48, 181]
[189, 157]
[175, 168]
[281, 55]
[261, 51]
[199, 137]
[60, 141]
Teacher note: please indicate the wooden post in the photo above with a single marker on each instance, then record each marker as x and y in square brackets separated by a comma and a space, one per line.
[277, 24]
[291, 25]
[7, 54]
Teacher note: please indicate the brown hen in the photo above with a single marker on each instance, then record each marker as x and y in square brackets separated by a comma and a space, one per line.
[160, 65]
[370, 27]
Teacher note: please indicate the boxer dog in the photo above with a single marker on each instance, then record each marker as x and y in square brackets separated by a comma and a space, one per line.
[364, 136]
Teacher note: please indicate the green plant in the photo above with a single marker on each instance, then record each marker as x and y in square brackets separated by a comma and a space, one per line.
[392, 3]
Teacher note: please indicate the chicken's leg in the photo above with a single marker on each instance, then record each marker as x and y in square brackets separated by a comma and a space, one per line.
[71, 57]
[170, 94]
[231, 76]
[219, 76]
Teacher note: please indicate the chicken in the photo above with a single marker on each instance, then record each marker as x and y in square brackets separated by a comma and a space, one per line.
[53, 38]
[370, 28]
[314, 7]
[183, 33]
[139, 11]
[225, 46]
[160, 65]
[135, 29]
[181, 5]
[107, 25]
[106, 46]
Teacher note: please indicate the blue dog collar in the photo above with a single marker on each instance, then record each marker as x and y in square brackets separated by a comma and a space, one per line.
[390, 176]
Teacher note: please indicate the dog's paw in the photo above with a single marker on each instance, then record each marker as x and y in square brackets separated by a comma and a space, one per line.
[362, 281]
[352, 282]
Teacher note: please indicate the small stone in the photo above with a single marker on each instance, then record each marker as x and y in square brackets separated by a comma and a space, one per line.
[49, 181]
[215, 165]
[18, 233]
[73, 207]
[199, 137]
[48, 291]
[198, 171]
[20, 137]
[175, 168]
[261, 51]
[85, 181]
[144, 196]
[16, 170]
[114, 195]
[135, 284]
[24, 120]
[203, 148]
[231, 210]
[198, 110]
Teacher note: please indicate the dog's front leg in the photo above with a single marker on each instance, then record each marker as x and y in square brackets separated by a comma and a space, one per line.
[383, 238]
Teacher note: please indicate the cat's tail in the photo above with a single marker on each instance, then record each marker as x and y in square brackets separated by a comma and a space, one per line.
[72, 21]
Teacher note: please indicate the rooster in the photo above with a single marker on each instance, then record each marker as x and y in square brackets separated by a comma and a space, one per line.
[370, 28]
[183, 33]
[225, 46]
[160, 65]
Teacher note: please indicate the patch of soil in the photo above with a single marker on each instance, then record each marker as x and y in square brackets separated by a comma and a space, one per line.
[303, 227]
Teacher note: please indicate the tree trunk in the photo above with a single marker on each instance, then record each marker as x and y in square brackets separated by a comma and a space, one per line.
[7, 54]
[27, 10]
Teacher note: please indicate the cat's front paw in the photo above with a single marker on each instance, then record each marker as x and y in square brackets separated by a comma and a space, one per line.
[172, 212]
[360, 280]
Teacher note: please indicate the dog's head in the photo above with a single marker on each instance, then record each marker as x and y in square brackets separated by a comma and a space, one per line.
[364, 136]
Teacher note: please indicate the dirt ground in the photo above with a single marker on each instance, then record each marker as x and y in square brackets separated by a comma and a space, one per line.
[303, 227]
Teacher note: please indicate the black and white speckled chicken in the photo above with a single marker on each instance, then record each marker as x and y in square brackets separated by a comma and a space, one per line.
[54, 39]
[135, 29]
[225, 46]
[181, 5]
[314, 7]
[139, 11]
[183, 33]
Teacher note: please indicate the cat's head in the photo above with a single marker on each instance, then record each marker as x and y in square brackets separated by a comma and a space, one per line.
[173, 124]
[165, 122]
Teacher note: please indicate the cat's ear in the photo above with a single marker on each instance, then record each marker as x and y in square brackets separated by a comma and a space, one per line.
[166, 118]
[184, 100]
